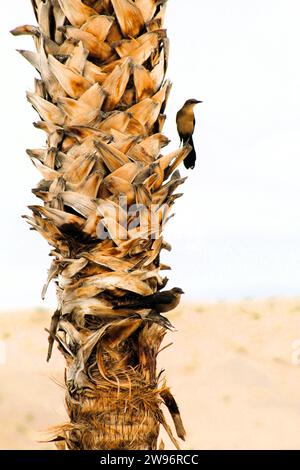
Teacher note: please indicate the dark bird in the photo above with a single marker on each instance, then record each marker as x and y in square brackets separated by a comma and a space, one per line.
[185, 120]
[160, 302]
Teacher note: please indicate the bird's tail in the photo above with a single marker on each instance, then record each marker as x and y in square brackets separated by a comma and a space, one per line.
[190, 160]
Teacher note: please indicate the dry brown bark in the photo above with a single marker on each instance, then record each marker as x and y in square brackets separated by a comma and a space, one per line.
[101, 98]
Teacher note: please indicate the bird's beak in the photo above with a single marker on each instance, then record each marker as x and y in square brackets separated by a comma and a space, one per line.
[199, 101]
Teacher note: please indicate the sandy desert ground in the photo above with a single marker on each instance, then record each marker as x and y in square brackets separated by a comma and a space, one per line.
[234, 369]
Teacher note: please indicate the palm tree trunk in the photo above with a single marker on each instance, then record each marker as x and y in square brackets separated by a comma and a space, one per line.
[101, 98]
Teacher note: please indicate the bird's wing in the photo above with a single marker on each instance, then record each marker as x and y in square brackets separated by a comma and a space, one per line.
[135, 306]
[162, 298]
[148, 301]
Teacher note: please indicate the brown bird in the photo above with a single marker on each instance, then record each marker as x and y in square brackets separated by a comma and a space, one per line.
[160, 302]
[185, 120]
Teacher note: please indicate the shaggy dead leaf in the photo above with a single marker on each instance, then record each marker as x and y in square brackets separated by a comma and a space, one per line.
[99, 26]
[80, 203]
[148, 8]
[72, 82]
[99, 50]
[115, 85]
[86, 109]
[76, 11]
[48, 111]
[129, 17]
[77, 60]
[80, 169]
[112, 157]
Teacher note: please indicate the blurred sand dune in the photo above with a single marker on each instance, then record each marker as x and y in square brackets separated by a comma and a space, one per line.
[232, 368]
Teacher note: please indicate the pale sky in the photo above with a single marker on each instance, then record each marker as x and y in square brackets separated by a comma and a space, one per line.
[236, 232]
